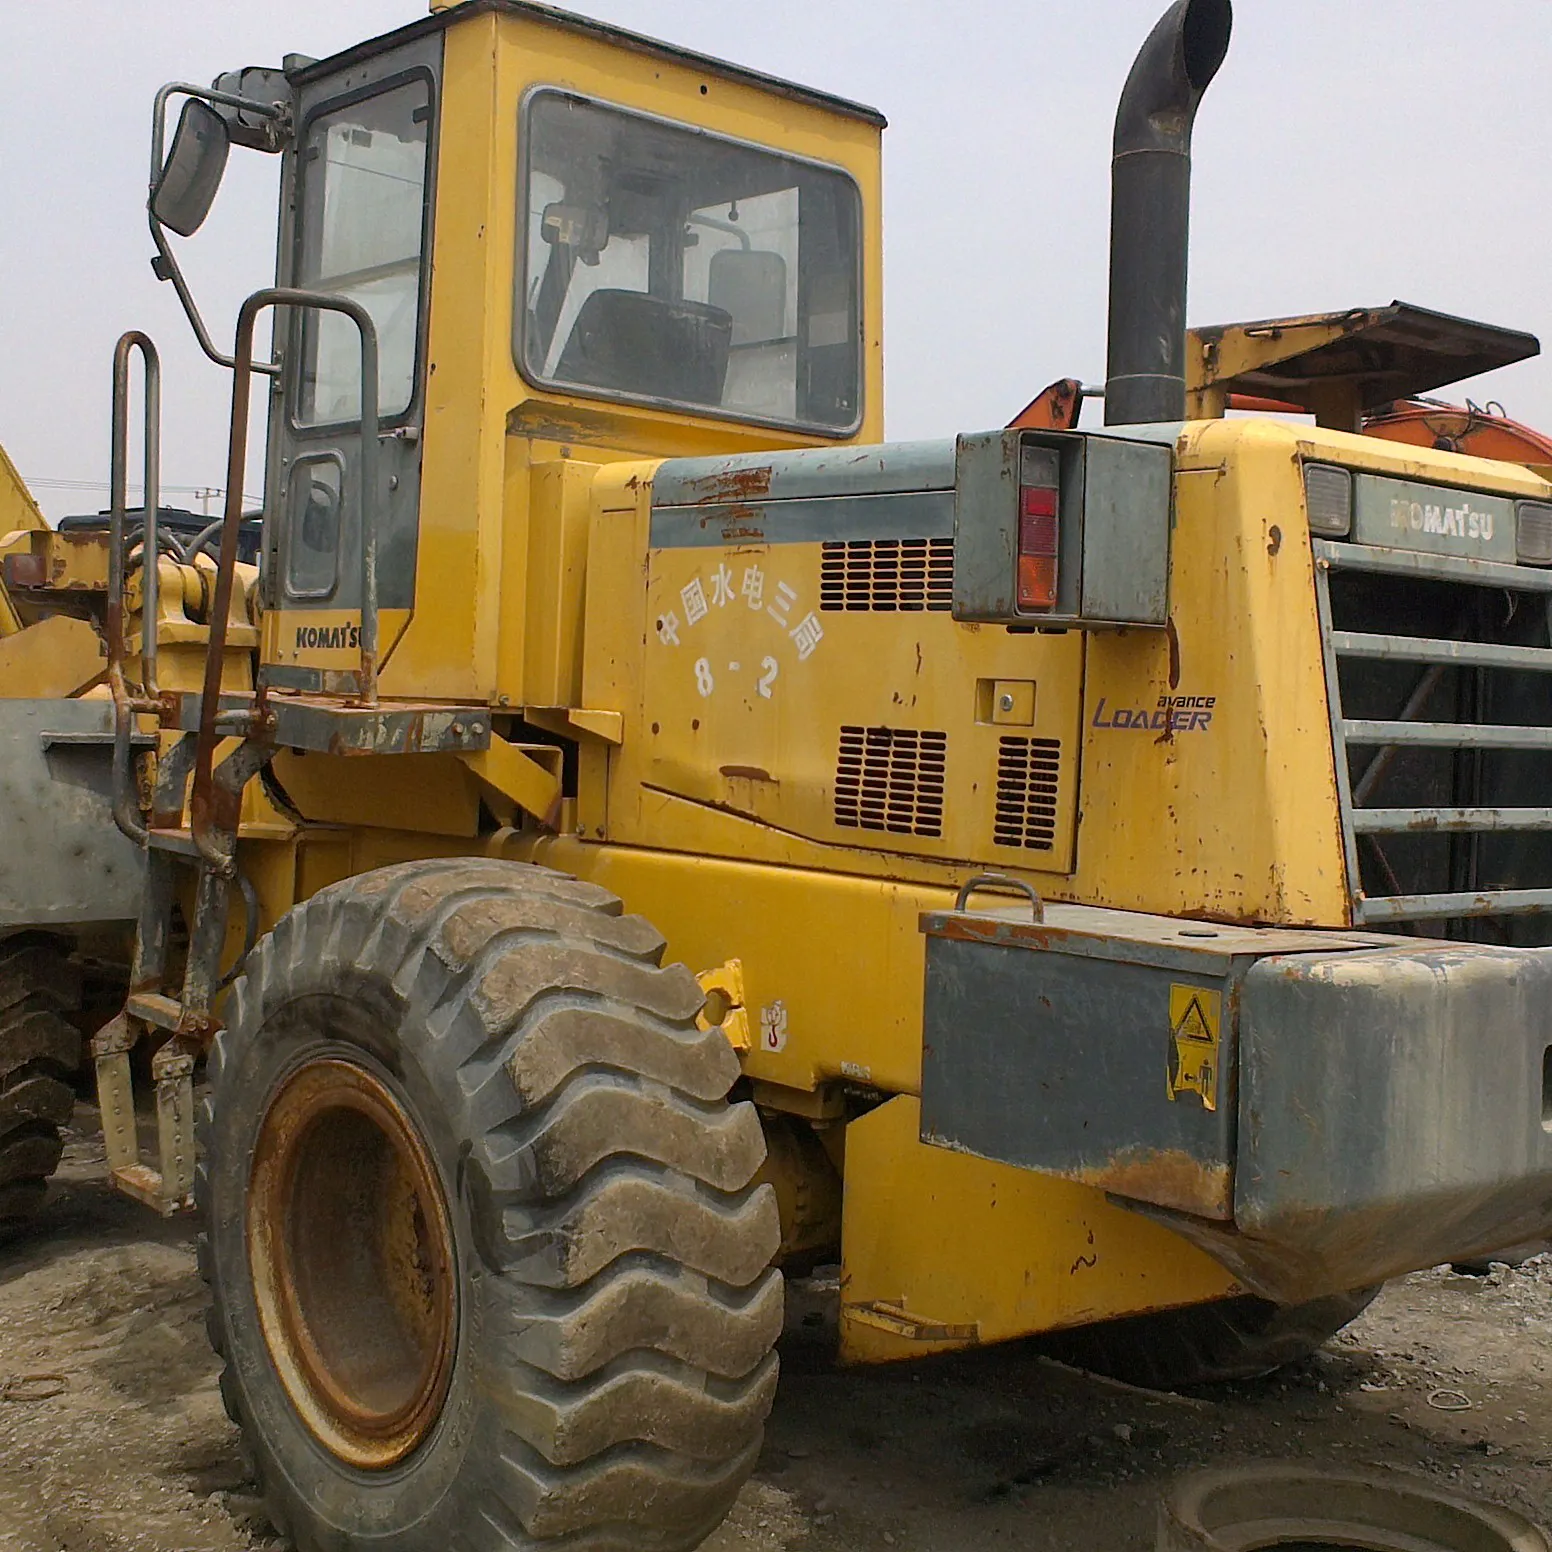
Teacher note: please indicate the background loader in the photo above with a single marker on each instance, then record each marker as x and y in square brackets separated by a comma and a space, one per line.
[557, 887]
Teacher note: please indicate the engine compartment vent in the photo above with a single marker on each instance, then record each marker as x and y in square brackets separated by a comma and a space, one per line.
[891, 779]
[887, 576]
[1028, 770]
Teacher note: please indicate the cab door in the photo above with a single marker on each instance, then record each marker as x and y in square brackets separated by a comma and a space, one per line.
[357, 198]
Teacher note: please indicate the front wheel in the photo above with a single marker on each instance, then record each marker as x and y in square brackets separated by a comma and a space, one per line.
[488, 1267]
[40, 1056]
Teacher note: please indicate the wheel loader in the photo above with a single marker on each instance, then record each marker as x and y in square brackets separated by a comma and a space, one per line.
[635, 832]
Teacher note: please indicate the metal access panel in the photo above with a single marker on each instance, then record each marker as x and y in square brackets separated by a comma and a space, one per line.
[1098, 1045]
[1318, 1110]
[1114, 509]
[56, 785]
[1396, 1108]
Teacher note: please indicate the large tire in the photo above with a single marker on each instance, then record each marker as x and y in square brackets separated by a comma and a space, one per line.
[602, 1371]
[1204, 1344]
[40, 1057]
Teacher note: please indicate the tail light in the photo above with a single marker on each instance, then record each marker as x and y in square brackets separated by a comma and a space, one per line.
[1038, 528]
[1328, 498]
[1533, 535]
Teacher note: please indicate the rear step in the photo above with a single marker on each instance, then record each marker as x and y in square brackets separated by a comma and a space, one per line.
[169, 1189]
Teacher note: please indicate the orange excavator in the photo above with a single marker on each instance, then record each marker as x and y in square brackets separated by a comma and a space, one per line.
[1484, 431]
[1367, 369]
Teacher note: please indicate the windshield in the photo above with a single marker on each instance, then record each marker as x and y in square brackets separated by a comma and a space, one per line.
[665, 263]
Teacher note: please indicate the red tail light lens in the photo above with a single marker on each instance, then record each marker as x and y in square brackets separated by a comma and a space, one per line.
[1038, 529]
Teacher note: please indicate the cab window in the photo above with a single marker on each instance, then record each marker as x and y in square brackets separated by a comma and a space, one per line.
[670, 265]
[362, 227]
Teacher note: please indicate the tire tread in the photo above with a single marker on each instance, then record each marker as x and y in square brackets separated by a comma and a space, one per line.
[40, 1055]
[612, 1187]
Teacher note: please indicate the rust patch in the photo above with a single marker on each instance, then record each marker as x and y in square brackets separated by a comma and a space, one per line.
[732, 486]
[994, 929]
[738, 521]
[747, 773]
[1165, 1177]
[556, 423]
[26, 571]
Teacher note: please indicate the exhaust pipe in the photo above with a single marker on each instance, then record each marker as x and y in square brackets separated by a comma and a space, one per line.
[1150, 208]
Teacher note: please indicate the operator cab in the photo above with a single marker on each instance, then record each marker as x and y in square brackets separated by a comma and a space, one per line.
[557, 233]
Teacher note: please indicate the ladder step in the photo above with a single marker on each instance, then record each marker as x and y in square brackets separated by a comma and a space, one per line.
[147, 1187]
[180, 841]
[155, 1009]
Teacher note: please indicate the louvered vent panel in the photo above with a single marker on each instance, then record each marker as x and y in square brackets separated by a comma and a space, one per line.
[1027, 772]
[887, 576]
[890, 779]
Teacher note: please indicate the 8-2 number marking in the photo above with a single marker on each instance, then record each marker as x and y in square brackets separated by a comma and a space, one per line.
[705, 681]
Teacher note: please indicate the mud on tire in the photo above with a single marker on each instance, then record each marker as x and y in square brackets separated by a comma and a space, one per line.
[616, 1310]
[40, 1056]
[1203, 1344]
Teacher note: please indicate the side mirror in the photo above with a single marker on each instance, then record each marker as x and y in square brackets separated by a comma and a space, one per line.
[186, 188]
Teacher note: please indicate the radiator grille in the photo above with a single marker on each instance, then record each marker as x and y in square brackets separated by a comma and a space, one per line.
[1439, 683]
[887, 576]
[1027, 772]
[890, 779]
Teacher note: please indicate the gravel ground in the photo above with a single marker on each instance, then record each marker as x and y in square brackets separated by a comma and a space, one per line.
[1446, 1377]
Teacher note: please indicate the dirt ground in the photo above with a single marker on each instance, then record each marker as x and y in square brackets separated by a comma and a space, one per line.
[1446, 1377]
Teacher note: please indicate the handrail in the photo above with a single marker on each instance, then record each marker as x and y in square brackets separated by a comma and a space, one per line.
[201, 804]
[125, 806]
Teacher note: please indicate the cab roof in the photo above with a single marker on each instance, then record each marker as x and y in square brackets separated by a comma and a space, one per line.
[619, 37]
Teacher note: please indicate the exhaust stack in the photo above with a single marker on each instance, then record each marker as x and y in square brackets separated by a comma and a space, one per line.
[1150, 207]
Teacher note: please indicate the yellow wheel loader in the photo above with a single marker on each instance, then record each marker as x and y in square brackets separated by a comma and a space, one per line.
[635, 830]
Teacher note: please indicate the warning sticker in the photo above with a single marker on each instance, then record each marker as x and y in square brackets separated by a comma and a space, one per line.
[1195, 1019]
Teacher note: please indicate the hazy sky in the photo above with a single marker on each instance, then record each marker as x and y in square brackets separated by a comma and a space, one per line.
[1350, 152]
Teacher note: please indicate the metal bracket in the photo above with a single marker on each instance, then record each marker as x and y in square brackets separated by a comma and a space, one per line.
[726, 983]
[901, 1322]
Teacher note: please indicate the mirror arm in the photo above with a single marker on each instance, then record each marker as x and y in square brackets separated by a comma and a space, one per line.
[269, 110]
[166, 266]
[165, 263]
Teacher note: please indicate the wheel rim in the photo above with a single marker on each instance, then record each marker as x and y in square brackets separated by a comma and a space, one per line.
[351, 1253]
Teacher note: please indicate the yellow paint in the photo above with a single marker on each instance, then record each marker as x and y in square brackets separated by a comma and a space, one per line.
[843, 954]
[1012, 703]
[528, 778]
[552, 576]
[1195, 1026]
[19, 514]
[939, 1239]
[58, 656]
[434, 793]
[17, 508]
